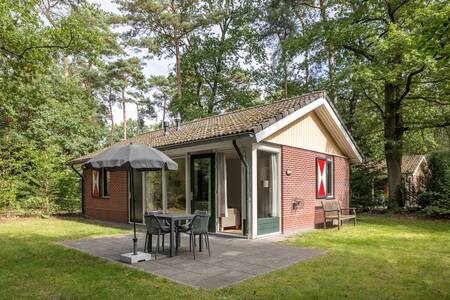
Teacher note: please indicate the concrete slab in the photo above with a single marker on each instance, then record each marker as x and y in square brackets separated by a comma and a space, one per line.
[232, 259]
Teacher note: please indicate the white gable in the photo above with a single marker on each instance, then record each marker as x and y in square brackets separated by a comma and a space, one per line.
[316, 127]
[307, 132]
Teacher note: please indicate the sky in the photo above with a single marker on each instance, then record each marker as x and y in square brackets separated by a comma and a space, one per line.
[154, 66]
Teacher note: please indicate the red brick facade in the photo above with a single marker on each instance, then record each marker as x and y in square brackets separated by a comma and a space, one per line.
[114, 208]
[301, 184]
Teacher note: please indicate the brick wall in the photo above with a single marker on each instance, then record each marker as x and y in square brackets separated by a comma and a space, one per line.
[301, 184]
[114, 208]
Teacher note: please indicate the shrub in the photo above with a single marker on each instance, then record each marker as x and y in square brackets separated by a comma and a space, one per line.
[365, 186]
[436, 200]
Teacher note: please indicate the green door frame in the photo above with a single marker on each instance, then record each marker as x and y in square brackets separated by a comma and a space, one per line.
[212, 192]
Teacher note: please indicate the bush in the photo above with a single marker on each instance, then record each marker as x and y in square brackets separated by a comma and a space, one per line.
[436, 200]
[366, 188]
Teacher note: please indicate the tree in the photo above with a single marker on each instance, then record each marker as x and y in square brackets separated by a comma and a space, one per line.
[126, 74]
[84, 25]
[281, 24]
[163, 94]
[160, 26]
[401, 59]
[144, 108]
[216, 81]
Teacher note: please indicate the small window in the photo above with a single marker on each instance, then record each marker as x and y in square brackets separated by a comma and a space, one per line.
[330, 178]
[105, 180]
[325, 178]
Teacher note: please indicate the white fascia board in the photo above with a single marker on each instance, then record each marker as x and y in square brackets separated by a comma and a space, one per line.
[418, 165]
[265, 133]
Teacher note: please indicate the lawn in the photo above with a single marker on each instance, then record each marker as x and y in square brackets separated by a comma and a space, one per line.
[383, 257]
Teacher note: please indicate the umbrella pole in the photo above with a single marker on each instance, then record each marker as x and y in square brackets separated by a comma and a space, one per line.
[134, 213]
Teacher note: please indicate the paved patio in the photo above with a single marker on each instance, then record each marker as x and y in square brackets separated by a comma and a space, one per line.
[232, 259]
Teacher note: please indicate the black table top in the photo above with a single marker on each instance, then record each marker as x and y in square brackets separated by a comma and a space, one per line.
[175, 216]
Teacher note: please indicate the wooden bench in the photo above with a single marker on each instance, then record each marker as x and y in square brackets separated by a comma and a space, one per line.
[332, 210]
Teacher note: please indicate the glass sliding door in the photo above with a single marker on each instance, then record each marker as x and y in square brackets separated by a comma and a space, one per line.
[176, 188]
[268, 219]
[153, 191]
[202, 186]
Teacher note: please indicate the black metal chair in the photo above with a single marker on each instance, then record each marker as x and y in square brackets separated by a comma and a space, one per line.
[185, 227]
[154, 227]
[198, 226]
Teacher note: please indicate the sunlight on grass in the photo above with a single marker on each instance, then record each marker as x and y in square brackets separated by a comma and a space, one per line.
[382, 257]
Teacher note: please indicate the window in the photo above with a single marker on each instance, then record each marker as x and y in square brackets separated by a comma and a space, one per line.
[105, 180]
[267, 184]
[325, 177]
[153, 191]
[176, 188]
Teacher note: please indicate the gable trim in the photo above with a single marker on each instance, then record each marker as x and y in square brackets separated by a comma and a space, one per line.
[265, 133]
[418, 165]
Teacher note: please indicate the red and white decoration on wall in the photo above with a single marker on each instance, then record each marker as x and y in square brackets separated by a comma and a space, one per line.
[95, 183]
[321, 177]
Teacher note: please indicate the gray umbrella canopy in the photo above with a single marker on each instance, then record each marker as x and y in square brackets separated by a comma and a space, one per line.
[132, 156]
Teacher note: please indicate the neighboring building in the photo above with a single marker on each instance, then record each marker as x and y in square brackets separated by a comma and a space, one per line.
[414, 173]
[258, 171]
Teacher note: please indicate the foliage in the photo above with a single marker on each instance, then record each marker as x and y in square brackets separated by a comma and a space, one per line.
[365, 189]
[384, 65]
[50, 118]
[436, 200]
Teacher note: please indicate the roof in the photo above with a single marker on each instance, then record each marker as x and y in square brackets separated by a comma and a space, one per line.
[243, 121]
[410, 163]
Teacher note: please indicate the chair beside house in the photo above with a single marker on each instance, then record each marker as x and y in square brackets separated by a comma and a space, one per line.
[154, 227]
[333, 210]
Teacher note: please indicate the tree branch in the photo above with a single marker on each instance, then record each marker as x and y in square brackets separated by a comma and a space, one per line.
[358, 51]
[375, 103]
[408, 83]
[427, 126]
[29, 48]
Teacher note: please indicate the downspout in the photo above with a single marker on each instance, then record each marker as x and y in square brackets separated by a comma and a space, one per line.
[82, 188]
[247, 200]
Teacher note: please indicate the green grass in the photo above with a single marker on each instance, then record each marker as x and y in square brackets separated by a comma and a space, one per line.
[383, 257]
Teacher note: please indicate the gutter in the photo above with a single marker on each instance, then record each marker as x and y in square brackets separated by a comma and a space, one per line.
[191, 143]
[82, 188]
[247, 200]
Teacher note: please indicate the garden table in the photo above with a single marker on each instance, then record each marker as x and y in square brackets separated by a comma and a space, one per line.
[172, 219]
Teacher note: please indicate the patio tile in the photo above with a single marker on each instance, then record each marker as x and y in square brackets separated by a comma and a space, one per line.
[232, 259]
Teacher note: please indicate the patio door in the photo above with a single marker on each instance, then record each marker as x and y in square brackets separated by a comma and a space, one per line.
[203, 186]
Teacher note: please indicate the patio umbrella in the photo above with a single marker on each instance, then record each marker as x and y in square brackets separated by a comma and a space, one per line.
[131, 157]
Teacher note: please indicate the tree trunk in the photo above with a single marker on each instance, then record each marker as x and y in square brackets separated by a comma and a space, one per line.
[124, 111]
[393, 145]
[330, 51]
[285, 76]
[111, 116]
[66, 65]
[178, 67]
[351, 110]
[164, 111]
[138, 116]
[307, 74]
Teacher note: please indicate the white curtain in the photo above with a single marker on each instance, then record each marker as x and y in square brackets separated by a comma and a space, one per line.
[222, 185]
[274, 196]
